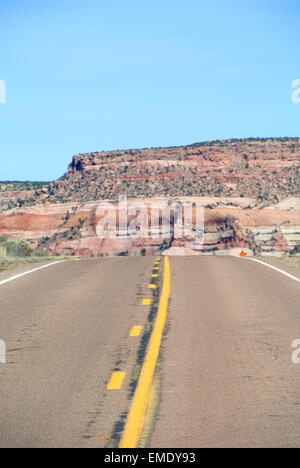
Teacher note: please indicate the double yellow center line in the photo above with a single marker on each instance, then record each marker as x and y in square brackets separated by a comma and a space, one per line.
[138, 408]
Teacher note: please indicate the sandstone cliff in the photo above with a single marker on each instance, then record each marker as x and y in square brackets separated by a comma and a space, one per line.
[250, 190]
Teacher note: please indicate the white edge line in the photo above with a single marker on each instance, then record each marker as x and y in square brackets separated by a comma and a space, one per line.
[274, 268]
[30, 271]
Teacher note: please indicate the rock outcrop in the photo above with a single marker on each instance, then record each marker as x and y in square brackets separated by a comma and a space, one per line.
[250, 190]
[71, 229]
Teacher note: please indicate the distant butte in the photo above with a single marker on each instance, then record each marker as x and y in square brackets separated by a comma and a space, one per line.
[250, 188]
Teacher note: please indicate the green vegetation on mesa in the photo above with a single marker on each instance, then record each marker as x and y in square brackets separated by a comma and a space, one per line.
[244, 140]
[239, 168]
[15, 194]
[16, 186]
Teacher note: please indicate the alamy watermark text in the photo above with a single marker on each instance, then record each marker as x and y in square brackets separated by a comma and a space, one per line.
[2, 352]
[164, 219]
[2, 92]
[296, 92]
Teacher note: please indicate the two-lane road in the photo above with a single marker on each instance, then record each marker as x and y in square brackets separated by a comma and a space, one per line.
[67, 329]
[227, 378]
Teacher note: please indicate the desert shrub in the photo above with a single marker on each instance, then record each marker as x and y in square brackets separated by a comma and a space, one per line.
[295, 250]
[15, 248]
[40, 253]
[123, 254]
[21, 249]
[18, 249]
[2, 251]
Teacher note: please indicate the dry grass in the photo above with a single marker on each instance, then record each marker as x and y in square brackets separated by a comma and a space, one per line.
[9, 263]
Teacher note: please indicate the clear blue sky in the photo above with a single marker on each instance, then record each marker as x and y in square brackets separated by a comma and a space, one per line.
[99, 75]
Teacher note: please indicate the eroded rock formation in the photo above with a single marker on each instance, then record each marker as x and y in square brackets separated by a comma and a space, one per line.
[250, 190]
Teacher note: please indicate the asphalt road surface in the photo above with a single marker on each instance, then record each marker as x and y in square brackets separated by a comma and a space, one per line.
[226, 374]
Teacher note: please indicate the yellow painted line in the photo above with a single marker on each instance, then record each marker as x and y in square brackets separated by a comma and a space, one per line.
[154, 275]
[136, 331]
[156, 268]
[116, 381]
[135, 420]
[146, 302]
[152, 286]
